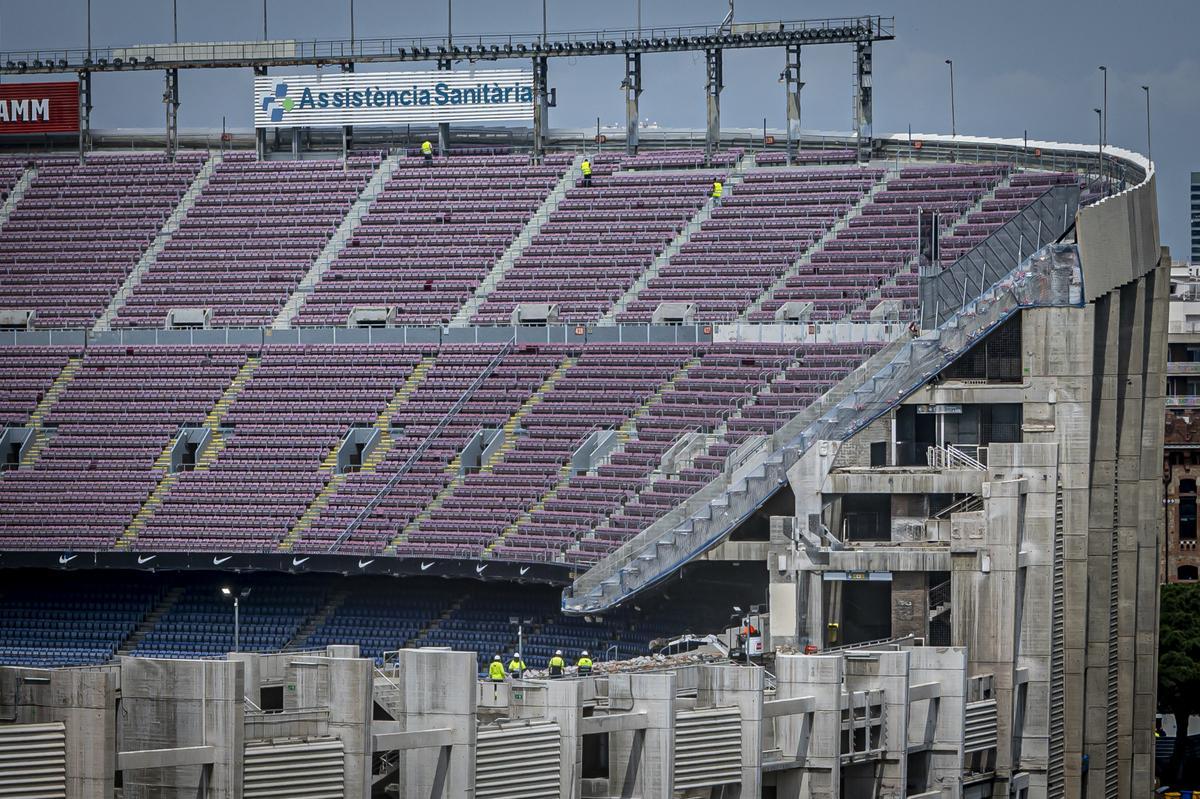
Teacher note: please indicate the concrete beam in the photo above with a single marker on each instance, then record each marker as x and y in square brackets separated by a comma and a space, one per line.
[926, 690]
[789, 707]
[614, 722]
[905, 480]
[163, 758]
[415, 739]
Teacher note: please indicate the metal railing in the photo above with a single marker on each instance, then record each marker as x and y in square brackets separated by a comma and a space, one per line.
[416, 454]
[1050, 277]
[944, 291]
[951, 457]
[473, 47]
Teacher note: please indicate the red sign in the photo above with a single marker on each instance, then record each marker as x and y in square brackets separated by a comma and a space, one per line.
[39, 108]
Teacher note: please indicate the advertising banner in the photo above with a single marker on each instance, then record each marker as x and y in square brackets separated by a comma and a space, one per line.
[392, 98]
[39, 108]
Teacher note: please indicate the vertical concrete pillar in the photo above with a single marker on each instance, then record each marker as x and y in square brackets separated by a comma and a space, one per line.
[642, 762]
[910, 604]
[177, 703]
[939, 721]
[740, 687]
[436, 690]
[85, 702]
[887, 672]
[350, 712]
[814, 739]
[563, 705]
[251, 674]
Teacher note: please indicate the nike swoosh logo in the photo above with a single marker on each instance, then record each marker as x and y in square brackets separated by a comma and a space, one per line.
[298, 561]
[218, 561]
[66, 558]
[523, 570]
[362, 564]
[479, 569]
[425, 566]
[146, 559]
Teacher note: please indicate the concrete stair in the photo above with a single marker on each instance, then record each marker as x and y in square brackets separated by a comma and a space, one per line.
[151, 620]
[14, 196]
[876, 296]
[383, 423]
[745, 164]
[333, 248]
[216, 444]
[42, 435]
[805, 258]
[509, 257]
[314, 622]
[625, 433]
[510, 433]
[168, 229]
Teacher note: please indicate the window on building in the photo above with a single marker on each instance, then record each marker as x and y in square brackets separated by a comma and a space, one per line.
[1187, 573]
[1187, 518]
[1187, 486]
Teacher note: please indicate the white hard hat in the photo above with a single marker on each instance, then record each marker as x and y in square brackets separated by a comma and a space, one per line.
[584, 653]
[517, 655]
[497, 657]
[558, 651]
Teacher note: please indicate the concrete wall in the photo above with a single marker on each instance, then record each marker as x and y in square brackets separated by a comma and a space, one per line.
[178, 703]
[85, 702]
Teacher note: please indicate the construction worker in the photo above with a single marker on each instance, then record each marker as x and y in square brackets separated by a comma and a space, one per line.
[557, 664]
[516, 666]
[496, 670]
[718, 188]
[586, 169]
[427, 151]
[584, 664]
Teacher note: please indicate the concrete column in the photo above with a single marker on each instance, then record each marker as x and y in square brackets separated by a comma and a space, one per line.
[85, 702]
[812, 740]
[886, 671]
[939, 721]
[437, 691]
[350, 712]
[633, 91]
[251, 674]
[177, 703]
[740, 687]
[564, 706]
[642, 762]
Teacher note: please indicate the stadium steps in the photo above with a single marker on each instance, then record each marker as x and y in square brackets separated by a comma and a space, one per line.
[216, 444]
[625, 433]
[144, 264]
[509, 432]
[875, 297]
[333, 248]
[512, 427]
[422, 636]
[318, 619]
[745, 164]
[151, 620]
[14, 196]
[515, 248]
[383, 423]
[42, 434]
[716, 436]
[830, 233]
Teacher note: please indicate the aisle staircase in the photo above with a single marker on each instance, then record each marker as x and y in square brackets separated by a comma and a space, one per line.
[510, 432]
[150, 621]
[214, 447]
[37, 419]
[383, 423]
[18, 191]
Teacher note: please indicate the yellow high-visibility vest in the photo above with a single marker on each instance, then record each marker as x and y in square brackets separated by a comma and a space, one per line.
[426, 148]
[496, 671]
[515, 666]
[585, 663]
[718, 188]
[586, 167]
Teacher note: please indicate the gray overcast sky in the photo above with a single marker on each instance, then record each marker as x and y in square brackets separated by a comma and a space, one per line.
[1019, 64]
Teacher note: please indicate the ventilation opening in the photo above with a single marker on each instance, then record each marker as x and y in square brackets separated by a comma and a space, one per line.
[12, 455]
[1187, 573]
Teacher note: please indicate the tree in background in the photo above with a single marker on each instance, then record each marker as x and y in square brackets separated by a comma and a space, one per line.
[1179, 665]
